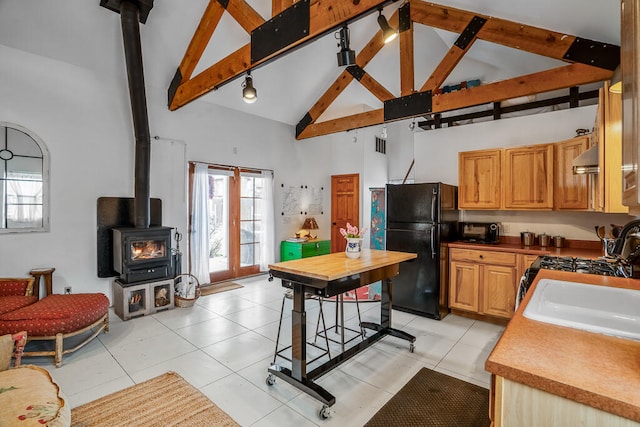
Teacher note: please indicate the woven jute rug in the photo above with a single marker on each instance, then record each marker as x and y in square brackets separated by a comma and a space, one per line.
[432, 399]
[167, 400]
[214, 288]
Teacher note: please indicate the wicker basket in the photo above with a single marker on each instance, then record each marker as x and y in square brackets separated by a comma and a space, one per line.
[186, 302]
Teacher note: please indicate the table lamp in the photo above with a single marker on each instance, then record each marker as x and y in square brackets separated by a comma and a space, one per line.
[310, 224]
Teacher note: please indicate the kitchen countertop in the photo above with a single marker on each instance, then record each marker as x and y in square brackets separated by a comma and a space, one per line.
[584, 251]
[594, 369]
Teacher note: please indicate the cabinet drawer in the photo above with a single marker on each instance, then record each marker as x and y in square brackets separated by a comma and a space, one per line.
[485, 257]
[321, 247]
[290, 250]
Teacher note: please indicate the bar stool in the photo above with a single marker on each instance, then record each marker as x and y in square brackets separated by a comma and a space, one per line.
[288, 294]
[340, 307]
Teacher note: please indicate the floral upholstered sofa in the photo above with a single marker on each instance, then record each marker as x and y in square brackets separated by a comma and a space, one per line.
[54, 317]
[28, 394]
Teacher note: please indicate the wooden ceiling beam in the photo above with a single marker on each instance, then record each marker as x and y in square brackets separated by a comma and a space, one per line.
[244, 15]
[363, 58]
[531, 84]
[376, 89]
[444, 68]
[507, 33]
[200, 39]
[324, 16]
[407, 76]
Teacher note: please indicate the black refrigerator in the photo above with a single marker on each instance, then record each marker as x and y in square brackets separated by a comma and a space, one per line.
[421, 218]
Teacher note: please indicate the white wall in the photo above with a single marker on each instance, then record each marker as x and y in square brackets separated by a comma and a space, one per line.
[436, 154]
[85, 121]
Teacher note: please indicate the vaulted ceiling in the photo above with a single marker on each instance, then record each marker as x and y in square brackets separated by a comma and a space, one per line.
[305, 87]
[296, 22]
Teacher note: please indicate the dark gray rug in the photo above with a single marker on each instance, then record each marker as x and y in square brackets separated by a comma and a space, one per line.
[432, 399]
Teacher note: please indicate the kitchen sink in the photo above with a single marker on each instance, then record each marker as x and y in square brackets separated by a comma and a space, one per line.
[601, 309]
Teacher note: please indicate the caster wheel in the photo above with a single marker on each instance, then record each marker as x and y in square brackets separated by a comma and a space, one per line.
[325, 412]
[411, 347]
[271, 380]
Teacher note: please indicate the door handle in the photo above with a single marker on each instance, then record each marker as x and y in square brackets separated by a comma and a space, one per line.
[433, 243]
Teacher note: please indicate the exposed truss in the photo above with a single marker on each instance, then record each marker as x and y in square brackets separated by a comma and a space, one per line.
[588, 61]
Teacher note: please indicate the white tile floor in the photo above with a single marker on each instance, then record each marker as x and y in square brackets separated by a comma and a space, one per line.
[225, 342]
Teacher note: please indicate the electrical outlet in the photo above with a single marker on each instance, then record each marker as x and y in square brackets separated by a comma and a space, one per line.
[67, 290]
[506, 228]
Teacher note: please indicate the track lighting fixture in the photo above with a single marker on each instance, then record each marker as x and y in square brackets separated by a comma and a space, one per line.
[346, 56]
[249, 93]
[388, 33]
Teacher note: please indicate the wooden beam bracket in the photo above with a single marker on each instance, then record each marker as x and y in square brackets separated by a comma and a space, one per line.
[173, 87]
[468, 35]
[407, 106]
[284, 29]
[224, 3]
[595, 53]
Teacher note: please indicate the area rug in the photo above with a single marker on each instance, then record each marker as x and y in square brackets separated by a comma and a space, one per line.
[214, 288]
[432, 399]
[167, 400]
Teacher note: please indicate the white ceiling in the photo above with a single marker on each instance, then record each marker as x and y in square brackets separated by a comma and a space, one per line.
[82, 33]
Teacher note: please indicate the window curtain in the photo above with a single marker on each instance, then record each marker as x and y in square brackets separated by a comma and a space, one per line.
[199, 248]
[268, 226]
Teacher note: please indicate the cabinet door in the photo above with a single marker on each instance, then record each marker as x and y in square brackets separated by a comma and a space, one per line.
[524, 261]
[528, 177]
[464, 284]
[571, 191]
[479, 179]
[290, 250]
[498, 290]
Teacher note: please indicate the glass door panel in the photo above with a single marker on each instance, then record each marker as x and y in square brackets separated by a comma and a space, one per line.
[219, 222]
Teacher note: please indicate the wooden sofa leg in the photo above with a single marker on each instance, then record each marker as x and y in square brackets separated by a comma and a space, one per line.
[59, 347]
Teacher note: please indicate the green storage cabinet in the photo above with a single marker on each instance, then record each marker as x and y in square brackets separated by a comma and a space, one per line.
[297, 250]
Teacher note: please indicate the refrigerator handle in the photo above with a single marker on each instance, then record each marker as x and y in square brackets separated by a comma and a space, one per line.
[433, 242]
[434, 199]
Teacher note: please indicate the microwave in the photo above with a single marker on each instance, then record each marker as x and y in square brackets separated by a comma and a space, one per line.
[480, 232]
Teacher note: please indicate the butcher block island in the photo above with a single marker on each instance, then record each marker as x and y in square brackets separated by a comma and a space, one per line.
[327, 276]
[549, 375]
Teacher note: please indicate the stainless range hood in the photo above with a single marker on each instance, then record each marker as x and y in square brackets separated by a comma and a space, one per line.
[587, 162]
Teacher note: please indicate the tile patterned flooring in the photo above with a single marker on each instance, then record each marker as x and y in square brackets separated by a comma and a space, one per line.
[225, 342]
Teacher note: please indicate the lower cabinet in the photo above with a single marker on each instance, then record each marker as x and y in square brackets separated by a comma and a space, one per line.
[483, 282]
[515, 404]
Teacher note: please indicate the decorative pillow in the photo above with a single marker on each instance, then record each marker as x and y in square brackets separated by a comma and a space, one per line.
[30, 397]
[14, 302]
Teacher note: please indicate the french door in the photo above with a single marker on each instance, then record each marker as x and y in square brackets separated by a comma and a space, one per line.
[235, 223]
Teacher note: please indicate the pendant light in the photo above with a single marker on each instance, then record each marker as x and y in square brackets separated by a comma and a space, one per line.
[388, 34]
[346, 56]
[249, 93]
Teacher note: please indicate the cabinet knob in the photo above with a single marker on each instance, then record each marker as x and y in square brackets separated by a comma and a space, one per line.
[481, 256]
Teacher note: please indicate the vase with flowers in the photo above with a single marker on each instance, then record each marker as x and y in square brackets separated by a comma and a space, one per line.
[354, 240]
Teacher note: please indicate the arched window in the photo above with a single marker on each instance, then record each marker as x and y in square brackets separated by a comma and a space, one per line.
[24, 178]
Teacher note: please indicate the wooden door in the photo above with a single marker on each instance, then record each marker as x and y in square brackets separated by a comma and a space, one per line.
[345, 207]
[528, 177]
[571, 191]
[479, 179]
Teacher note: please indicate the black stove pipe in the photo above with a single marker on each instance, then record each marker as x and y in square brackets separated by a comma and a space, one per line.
[129, 17]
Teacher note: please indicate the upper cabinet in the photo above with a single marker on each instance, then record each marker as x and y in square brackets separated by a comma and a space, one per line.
[479, 179]
[608, 135]
[528, 177]
[630, 65]
[571, 191]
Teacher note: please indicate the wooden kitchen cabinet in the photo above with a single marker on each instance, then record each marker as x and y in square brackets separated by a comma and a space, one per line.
[571, 192]
[528, 177]
[297, 250]
[524, 261]
[607, 133]
[479, 179]
[483, 282]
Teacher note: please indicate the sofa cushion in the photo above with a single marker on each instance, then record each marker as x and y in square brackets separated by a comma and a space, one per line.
[14, 302]
[56, 314]
[30, 397]
[16, 287]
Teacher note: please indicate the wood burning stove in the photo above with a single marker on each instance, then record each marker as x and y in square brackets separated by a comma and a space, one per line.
[142, 254]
